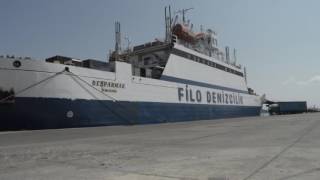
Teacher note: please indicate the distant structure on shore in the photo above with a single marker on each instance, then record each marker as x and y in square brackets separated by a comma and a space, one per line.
[288, 107]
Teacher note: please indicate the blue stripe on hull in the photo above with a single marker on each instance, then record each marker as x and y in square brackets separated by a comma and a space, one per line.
[201, 84]
[45, 113]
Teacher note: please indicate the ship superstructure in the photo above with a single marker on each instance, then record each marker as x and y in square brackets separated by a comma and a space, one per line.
[184, 77]
[153, 59]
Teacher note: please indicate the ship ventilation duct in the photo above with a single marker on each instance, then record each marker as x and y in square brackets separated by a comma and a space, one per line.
[227, 55]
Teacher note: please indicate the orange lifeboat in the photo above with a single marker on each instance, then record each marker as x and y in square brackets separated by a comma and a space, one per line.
[184, 33]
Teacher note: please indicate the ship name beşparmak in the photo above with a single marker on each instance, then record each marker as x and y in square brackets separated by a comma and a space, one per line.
[107, 86]
[188, 94]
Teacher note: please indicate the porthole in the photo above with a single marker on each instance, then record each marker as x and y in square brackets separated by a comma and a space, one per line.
[16, 64]
[70, 114]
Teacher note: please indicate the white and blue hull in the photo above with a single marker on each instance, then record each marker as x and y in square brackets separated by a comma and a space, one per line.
[44, 113]
[88, 97]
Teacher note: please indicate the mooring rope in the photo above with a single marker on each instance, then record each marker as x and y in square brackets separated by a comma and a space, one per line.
[31, 86]
[112, 98]
[71, 73]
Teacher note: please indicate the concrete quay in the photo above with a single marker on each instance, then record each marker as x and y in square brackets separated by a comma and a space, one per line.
[274, 147]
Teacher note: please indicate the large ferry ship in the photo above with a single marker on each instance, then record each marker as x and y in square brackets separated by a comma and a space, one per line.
[183, 77]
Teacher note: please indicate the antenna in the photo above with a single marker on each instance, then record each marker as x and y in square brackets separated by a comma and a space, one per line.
[128, 42]
[227, 55]
[235, 56]
[170, 19]
[168, 22]
[245, 74]
[175, 20]
[117, 37]
[183, 12]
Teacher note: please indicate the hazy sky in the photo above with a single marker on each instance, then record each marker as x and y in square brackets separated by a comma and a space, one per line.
[277, 40]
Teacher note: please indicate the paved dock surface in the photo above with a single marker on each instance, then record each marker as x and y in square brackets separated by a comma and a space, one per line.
[275, 148]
